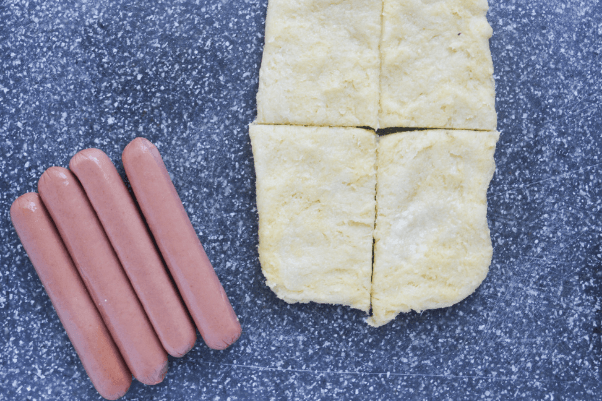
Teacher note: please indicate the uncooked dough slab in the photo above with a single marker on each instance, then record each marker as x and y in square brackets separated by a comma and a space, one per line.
[315, 199]
[432, 244]
[321, 63]
[436, 65]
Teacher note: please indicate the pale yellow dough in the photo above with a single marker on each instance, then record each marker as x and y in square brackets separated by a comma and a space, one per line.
[321, 63]
[316, 205]
[432, 244]
[436, 68]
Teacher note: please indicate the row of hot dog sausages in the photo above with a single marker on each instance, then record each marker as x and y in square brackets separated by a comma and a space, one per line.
[97, 261]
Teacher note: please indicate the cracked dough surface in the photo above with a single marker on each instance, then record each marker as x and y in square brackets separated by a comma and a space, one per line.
[436, 67]
[316, 206]
[321, 63]
[432, 244]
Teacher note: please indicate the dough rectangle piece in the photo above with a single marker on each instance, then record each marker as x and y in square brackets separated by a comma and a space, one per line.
[432, 244]
[321, 63]
[316, 203]
[436, 67]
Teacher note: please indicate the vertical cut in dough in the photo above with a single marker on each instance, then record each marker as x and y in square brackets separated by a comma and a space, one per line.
[432, 245]
[316, 203]
[436, 68]
[321, 63]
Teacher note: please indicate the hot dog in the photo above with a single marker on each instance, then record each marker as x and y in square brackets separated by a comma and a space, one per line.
[103, 275]
[185, 257]
[80, 318]
[134, 247]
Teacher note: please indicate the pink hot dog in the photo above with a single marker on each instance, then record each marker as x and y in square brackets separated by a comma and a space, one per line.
[134, 246]
[103, 275]
[201, 290]
[80, 318]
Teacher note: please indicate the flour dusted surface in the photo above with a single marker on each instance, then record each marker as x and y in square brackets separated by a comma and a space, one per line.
[320, 63]
[437, 70]
[432, 245]
[315, 199]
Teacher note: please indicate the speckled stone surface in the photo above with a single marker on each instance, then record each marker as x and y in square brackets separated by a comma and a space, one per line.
[77, 74]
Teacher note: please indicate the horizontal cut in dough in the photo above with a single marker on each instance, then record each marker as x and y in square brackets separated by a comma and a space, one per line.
[436, 68]
[321, 63]
[316, 203]
[432, 244]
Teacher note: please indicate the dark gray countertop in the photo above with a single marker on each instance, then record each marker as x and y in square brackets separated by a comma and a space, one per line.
[77, 74]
